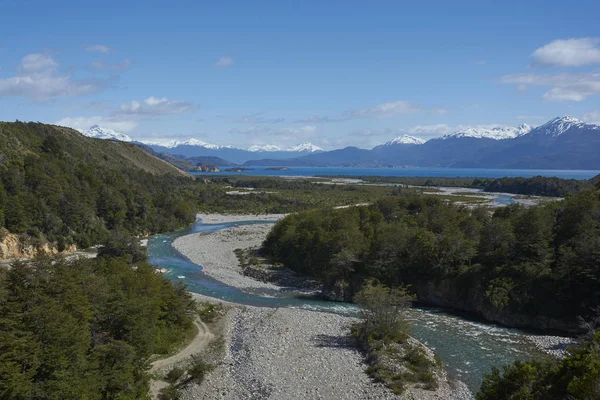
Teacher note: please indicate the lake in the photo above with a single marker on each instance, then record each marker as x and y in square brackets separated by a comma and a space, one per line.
[413, 171]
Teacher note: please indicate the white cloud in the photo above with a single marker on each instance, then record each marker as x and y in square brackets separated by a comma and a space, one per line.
[38, 78]
[224, 62]
[568, 53]
[385, 110]
[83, 123]
[564, 86]
[37, 63]
[156, 106]
[430, 130]
[99, 48]
[592, 117]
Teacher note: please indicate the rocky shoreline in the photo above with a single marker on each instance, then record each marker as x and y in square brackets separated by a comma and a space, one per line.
[284, 354]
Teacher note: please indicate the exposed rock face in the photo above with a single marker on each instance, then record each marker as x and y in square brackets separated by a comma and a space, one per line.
[464, 294]
[341, 289]
[448, 293]
[13, 246]
[206, 168]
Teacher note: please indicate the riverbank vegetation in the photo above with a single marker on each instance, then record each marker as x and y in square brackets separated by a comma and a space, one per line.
[383, 333]
[534, 262]
[86, 328]
[276, 195]
[577, 376]
[535, 186]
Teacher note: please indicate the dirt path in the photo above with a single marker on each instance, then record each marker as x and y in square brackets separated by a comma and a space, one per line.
[162, 366]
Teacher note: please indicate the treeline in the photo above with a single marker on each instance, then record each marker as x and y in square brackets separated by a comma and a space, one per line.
[537, 262]
[58, 186]
[85, 329]
[535, 186]
[275, 195]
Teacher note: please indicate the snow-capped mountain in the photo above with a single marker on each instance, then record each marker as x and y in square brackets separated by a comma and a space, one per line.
[405, 139]
[170, 144]
[304, 147]
[97, 132]
[561, 125]
[494, 132]
[268, 147]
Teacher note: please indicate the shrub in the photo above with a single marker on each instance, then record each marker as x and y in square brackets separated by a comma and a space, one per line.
[198, 369]
[174, 375]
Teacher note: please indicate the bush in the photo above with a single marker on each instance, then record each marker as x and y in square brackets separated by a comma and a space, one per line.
[174, 375]
[210, 312]
[198, 369]
[169, 393]
[382, 313]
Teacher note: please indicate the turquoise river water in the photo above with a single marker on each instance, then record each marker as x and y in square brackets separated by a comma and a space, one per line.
[468, 347]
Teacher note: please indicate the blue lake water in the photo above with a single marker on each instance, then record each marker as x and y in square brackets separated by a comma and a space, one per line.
[469, 347]
[414, 171]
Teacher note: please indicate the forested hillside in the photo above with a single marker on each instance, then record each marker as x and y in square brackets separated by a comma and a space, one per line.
[536, 267]
[60, 187]
[85, 329]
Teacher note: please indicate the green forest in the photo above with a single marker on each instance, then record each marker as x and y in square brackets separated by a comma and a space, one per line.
[535, 186]
[535, 261]
[85, 329]
[58, 186]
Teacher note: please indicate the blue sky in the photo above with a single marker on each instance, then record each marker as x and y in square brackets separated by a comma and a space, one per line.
[334, 73]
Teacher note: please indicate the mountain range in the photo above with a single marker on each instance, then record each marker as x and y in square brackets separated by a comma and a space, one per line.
[198, 148]
[561, 143]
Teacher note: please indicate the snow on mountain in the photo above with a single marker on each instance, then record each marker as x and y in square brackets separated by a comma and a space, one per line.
[267, 147]
[557, 126]
[304, 147]
[494, 132]
[299, 148]
[405, 139]
[104, 133]
[170, 143]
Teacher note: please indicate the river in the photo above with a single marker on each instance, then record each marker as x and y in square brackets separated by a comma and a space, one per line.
[469, 347]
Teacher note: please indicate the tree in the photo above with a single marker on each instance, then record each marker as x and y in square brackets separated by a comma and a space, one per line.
[382, 313]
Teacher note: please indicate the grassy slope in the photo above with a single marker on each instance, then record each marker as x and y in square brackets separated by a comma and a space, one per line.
[20, 139]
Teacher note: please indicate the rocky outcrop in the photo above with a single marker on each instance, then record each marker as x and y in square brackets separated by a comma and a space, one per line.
[14, 246]
[341, 289]
[462, 293]
[470, 297]
[205, 168]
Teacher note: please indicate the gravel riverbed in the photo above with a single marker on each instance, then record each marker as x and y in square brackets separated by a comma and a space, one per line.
[284, 354]
[215, 252]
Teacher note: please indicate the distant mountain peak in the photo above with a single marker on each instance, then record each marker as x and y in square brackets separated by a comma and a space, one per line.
[304, 147]
[493, 132]
[98, 132]
[267, 147]
[559, 125]
[405, 139]
[171, 143]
